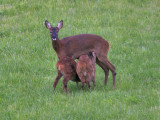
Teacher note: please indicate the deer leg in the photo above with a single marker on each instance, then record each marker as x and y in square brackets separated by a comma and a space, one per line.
[93, 76]
[94, 82]
[59, 75]
[77, 84]
[88, 83]
[113, 74]
[93, 79]
[65, 81]
[106, 70]
[82, 85]
[104, 60]
[81, 77]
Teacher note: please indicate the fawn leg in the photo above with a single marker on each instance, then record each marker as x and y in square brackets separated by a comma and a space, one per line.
[89, 84]
[94, 82]
[65, 81]
[93, 79]
[106, 63]
[77, 84]
[59, 75]
[82, 85]
[81, 77]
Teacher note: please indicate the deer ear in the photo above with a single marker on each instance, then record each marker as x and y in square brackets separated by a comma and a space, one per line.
[48, 25]
[60, 24]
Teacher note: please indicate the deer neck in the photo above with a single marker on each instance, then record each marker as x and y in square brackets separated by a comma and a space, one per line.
[56, 45]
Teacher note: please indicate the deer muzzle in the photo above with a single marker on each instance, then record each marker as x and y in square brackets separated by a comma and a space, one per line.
[53, 39]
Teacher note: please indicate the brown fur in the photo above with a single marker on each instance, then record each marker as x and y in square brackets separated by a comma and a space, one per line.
[75, 46]
[85, 69]
[66, 67]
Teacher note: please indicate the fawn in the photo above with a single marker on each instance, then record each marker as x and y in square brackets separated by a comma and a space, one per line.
[66, 67]
[85, 69]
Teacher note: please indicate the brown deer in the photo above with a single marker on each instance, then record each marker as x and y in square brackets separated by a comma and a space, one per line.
[66, 67]
[75, 46]
[85, 69]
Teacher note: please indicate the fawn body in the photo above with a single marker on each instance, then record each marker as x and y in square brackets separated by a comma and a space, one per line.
[85, 69]
[66, 67]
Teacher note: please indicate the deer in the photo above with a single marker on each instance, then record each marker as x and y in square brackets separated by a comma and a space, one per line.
[85, 69]
[77, 45]
[66, 67]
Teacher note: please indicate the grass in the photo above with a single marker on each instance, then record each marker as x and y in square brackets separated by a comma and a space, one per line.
[27, 60]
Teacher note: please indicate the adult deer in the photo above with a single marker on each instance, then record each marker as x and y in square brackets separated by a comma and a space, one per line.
[75, 46]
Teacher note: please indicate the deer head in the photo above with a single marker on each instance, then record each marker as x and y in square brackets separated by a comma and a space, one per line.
[54, 30]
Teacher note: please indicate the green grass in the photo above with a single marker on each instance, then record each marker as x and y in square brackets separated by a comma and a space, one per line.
[27, 60]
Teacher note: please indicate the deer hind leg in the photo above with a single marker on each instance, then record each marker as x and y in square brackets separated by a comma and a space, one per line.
[106, 70]
[93, 79]
[59, 75]
[82, 81]
[88, 81]
[77, 84]
[93, 76]
[106, 63]
[67, 77]
[80, 75]
[94, 82]
[65, 81]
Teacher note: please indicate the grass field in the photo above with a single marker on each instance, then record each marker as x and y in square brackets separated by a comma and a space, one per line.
[27, 60]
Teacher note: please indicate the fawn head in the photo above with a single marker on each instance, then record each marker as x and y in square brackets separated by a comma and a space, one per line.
[92, 55]
[54, 30]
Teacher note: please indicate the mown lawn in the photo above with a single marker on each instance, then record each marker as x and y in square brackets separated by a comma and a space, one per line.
[27, 60]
